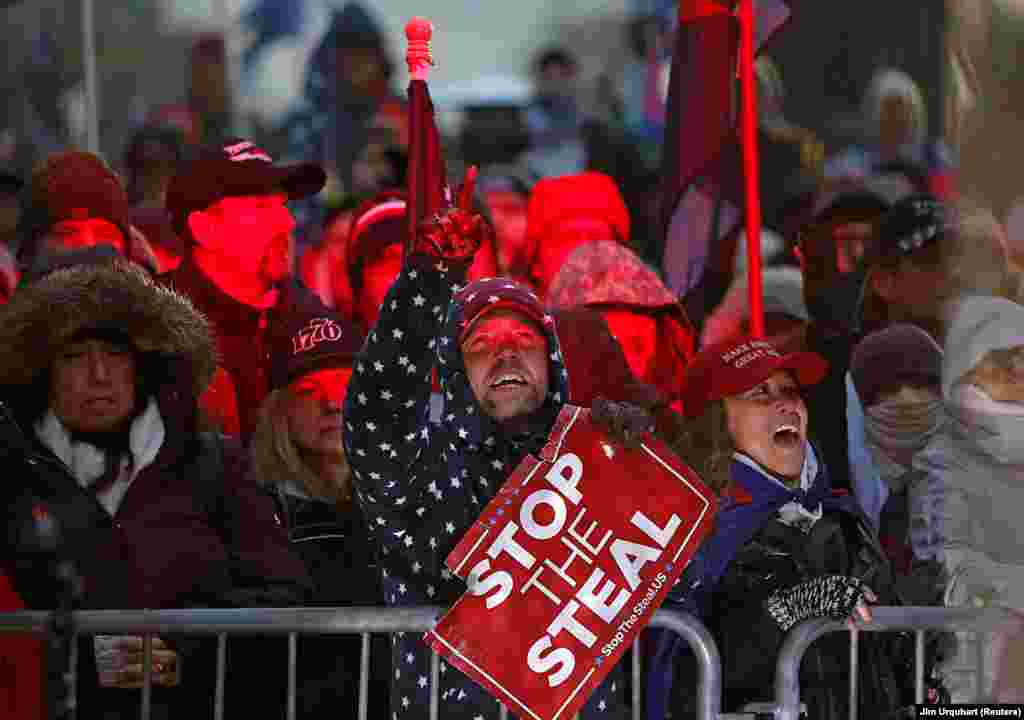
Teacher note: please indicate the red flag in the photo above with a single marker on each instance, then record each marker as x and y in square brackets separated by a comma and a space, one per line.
[427, 176]
[702, 171]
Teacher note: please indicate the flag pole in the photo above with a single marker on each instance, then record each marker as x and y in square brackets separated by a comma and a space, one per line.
[751, 166]
[92, 103]
[418, 33]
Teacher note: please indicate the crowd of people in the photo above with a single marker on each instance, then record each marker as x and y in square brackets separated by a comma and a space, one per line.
[227, 381]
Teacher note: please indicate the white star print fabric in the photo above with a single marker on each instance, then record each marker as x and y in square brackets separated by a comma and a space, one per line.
[422, 485]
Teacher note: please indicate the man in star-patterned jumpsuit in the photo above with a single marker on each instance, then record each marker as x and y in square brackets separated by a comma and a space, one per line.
[422, 485]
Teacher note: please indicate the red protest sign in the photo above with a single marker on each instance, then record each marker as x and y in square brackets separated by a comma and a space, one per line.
[567, 564]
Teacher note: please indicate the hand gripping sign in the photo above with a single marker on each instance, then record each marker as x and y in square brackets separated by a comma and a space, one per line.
[567, 564]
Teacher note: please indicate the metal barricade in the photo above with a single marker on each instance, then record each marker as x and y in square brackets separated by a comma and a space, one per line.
[884, 619]
[363, 621]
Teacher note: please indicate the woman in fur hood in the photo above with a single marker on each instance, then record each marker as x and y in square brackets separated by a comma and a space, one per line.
[100, 371]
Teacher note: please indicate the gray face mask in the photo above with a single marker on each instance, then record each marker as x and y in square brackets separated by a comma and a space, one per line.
[994, 428]
[898, 428]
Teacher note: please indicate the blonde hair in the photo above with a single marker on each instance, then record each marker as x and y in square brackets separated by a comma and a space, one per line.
[276, 459]
[977, 261]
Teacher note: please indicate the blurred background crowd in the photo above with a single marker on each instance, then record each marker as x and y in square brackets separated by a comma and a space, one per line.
[891, 197]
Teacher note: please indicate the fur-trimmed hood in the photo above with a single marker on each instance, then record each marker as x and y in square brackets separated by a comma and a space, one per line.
[41, 317]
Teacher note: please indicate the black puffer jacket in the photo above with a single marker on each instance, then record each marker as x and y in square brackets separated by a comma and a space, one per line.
[341, 561]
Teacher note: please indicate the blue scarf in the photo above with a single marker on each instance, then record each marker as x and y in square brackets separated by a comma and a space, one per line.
[756, 498]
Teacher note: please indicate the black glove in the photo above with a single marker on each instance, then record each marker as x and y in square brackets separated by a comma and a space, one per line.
[623, 422]
[831, 596]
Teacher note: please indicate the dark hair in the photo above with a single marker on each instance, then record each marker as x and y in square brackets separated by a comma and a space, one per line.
[555, 56]
[637, 33]
[154, 143]
[916, 175]
[10, 184]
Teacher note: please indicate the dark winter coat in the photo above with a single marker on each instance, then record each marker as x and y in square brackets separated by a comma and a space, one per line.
[189, 532]
[341, 560]
[240, 332]
[751, 555]
[422, 486]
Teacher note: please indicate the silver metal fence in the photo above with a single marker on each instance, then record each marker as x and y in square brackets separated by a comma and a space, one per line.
[884, 619]
[363, 621]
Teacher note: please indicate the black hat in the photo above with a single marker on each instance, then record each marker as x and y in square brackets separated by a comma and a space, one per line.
[305, 336]
[236, 168]
[10, 183]
[913, 223]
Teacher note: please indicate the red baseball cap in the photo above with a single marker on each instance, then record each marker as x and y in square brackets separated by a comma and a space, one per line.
[734, 366]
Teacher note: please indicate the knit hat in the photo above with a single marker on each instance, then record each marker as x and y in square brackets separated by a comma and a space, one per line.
[305, 336]
[898, 352]
[735, 366]
[234, 169]
[376, 224]
[978, 324]
[76, 185]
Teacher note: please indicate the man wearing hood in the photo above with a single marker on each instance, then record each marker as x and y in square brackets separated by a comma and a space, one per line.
[422, 486]
[643, 316]
[100, 374]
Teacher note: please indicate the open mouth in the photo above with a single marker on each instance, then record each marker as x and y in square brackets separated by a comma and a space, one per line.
[508, 380]
[787, 436]
[101, 403]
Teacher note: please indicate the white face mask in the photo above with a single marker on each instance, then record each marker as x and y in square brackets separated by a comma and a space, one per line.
[994, 427]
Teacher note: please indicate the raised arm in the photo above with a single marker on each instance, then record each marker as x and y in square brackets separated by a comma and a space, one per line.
[387, 406]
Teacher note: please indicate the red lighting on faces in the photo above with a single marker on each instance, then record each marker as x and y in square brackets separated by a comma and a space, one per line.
[243, 227]
[325, 386]
[78, 234]
[489, 335]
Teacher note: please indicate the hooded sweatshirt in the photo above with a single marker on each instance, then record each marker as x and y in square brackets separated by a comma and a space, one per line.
[422, 485]
[980, 458]
[975, 475]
